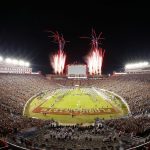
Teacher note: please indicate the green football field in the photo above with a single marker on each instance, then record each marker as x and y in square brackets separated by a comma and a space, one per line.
[76, 105]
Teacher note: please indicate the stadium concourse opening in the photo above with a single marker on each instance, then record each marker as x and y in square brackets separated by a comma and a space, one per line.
[76, 105]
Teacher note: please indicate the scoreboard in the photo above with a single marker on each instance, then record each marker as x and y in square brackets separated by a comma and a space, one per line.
[77, 71]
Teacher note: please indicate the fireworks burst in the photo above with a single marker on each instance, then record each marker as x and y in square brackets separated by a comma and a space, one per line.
[58, 60]
[95, 58]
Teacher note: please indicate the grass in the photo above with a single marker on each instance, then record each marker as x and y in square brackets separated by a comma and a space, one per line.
[82, 100]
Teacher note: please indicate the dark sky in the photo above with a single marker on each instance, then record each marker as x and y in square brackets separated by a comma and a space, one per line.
[125, 26]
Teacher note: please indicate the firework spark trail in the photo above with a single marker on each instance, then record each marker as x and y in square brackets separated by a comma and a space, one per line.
[58, 60]
[95, 57]
[94, 61]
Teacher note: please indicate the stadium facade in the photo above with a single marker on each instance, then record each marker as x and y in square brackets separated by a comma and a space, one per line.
[15, 66]
[14, 69]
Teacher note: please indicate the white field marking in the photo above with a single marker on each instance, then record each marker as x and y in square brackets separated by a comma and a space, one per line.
[120, 99]
[60, 85]
[48, 97]
[101, 94]
[63, 92]
[33, 97]
[106, 98]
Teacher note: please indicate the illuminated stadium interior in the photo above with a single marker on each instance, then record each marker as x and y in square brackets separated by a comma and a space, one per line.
[65, 85]
[79, 104]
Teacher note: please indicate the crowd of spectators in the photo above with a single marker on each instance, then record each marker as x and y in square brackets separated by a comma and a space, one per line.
[119, 133]
[15, 90]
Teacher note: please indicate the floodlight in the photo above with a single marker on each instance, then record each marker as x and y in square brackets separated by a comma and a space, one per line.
[136, 65]
[8, 60]
[21, 63]
[15, 61]
[27, 64]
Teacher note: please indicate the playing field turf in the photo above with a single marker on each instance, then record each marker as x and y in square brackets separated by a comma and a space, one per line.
[76, 105]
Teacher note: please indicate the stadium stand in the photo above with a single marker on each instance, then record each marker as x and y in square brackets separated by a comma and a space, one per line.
[125, 133]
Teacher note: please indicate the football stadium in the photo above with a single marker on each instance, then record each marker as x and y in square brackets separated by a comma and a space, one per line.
[59, 93]
[77, 110]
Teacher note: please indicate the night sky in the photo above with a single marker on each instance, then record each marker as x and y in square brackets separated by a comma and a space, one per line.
[125, 27]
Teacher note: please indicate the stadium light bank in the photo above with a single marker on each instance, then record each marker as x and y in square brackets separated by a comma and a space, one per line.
[15, 66]
[15, 62]
[137, 65]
